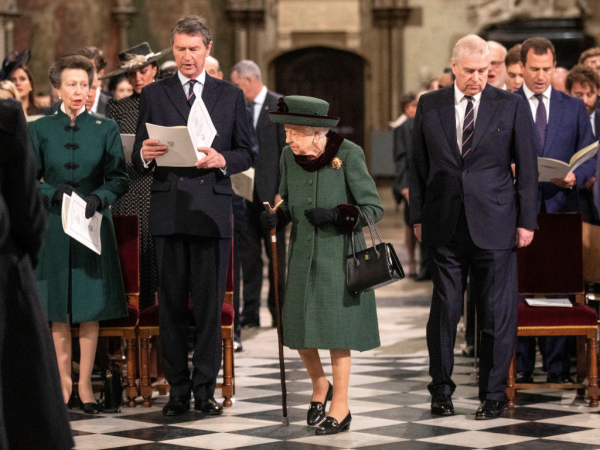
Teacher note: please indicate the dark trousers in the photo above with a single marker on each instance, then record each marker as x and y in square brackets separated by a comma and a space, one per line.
[494, 284]
[553, 354]
[252, 264]
[237, 275]
[198, 266]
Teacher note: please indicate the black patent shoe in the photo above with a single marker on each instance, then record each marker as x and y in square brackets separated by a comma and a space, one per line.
[176, 406]
[441, 405]
[559, 378]
[92, 408]
[524, 377]
[210, 407]
[316, 411]
[331, 425]
[490, 409]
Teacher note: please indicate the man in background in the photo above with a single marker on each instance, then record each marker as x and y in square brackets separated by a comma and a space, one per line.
[559, 78]
[591, 58]
[270, 138]
[497, 72]
[213, 68]
[514, 75]
[97, 99]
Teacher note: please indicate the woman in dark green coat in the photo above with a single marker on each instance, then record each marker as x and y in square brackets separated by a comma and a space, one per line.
[323, 178]
[82, 153]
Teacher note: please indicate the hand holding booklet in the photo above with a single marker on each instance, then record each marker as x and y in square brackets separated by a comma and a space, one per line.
[549, 168]
[86, 231]
[183, 142]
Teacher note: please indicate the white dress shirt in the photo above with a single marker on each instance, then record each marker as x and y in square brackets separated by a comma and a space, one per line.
[460, 106]
[198, 87]
[533, 102]
[259, 101]
[96, 101]
[593, 120]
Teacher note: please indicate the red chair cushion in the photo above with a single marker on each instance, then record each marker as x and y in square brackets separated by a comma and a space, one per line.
[124, 322]
[578, 315]
[149, 316]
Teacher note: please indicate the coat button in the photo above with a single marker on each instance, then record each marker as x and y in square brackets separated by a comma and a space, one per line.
[309, 200]
[201, 181]
[181, 179]
[310, 181]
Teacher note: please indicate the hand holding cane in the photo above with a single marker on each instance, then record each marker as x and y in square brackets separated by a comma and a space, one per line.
[272, 210]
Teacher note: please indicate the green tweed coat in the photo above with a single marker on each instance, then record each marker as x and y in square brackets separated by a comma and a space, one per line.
[72, 278]
[318, 311]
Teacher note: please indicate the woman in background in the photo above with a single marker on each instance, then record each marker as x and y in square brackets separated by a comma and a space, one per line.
[22, 79]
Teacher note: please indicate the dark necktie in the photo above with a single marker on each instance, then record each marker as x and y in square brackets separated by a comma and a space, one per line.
[253, 136]
[541, 119]
[468, 127]
[192, 94]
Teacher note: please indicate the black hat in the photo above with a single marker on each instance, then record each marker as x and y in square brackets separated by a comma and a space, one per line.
[136, 57]
[13, 61]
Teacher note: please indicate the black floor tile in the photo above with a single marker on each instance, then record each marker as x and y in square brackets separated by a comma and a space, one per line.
[155, 446]
[158, 418]
[287, 445]
[544, 444]
[414, 445]
[536, 429]
[158, 434]
[293, 399]
[399, 386]
[526, 413]
[280, 432]
[73, 416]
[275, 415]
[413, 431]
[400, 399]
[402, 414]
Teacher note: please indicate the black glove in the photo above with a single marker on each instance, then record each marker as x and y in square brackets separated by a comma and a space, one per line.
[58, 195]
[93, 203]
[269, 220]
[321, 216]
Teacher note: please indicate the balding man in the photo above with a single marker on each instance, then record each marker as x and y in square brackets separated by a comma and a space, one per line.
[467, 208]
[213, 68]
[497, 70]
[271, 141]
[559, 78]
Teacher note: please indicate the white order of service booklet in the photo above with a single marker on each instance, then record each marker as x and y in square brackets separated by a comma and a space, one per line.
[183, 142]
[549, 168]
[243, 184]
[86, 231]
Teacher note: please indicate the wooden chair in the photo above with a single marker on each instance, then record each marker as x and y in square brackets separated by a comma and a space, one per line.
[128, 244]
[553, 264]
[148, 328]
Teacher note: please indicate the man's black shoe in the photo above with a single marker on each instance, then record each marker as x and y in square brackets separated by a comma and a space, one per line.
[441, 405]
[176, 406]
[237, 346]
[210, 407]
[524, 377]
[559, 378]
[490, 409]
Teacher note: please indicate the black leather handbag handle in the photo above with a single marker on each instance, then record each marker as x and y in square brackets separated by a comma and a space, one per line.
[371, 225]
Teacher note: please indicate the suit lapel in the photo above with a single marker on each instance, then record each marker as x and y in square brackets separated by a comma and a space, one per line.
[177, 96]
[447, 115]
[486, 111]
[556, 113]
[263, 117]
[210, 93]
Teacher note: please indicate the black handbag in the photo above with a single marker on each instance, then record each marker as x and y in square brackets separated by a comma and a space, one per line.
[374, 267]
[112, 392]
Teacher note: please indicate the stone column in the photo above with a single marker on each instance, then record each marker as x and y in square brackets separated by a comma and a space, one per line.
[124, 12]
[248, 16]
[389, 17]
[8, 13]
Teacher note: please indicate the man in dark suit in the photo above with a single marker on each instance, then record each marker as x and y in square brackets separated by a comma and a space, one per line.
[190, 213]
[270, 140]
[467, 208]
[32, 411]
[561, 128]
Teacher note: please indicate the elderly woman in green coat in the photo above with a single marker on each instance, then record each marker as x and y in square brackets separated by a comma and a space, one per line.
[82, 153]
[323, 179]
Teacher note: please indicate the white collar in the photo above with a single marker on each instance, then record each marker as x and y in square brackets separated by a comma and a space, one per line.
[96, 100]
[262, 95]
[201, 78]
[62, 108]
[593, 115]
[529, 93]
[458, 96]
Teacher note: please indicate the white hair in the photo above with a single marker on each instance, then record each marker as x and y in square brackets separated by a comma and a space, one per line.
[494, 44]
[321, 131]
[210, 59]
[470, 45]
[247, 68]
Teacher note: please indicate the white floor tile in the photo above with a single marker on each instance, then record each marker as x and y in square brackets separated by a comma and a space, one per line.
[349, 440]
[219, 441]
[226, 424]
[100, 441]
[109, 425]
[254, 381]
[591, 437]
[481, 438]
[242, 407]
[463, 422]
[576, 420]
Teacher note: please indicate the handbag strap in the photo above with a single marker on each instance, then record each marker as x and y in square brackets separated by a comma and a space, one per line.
[371, 225]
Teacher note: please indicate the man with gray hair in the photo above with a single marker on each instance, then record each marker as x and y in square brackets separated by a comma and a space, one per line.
[497, 71]
[270, 141]
[190, 213]
[471, 212]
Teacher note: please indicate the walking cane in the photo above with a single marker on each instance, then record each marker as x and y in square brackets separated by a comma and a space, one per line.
[272, 210]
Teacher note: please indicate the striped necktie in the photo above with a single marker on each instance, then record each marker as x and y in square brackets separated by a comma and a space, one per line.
[192, 94]
[468, 127]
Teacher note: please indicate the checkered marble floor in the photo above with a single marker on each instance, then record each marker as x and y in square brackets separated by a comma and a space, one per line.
[390, 408]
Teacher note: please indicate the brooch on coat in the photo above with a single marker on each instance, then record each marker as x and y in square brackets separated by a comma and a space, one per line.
[336, 163]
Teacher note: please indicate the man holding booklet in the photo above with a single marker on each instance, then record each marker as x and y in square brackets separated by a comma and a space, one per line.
[190, 206]
[562, 128]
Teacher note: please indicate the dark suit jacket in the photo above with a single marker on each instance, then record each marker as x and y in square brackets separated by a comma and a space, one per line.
[403, 141]
[25, 340]
[186, 200]
[440, 179]
[102, 101]
[569, 130]
[271, 141]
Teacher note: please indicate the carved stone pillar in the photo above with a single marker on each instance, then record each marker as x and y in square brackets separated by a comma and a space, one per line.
[124, 12]
[389, 17]
[248, 16]
[8, 13]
